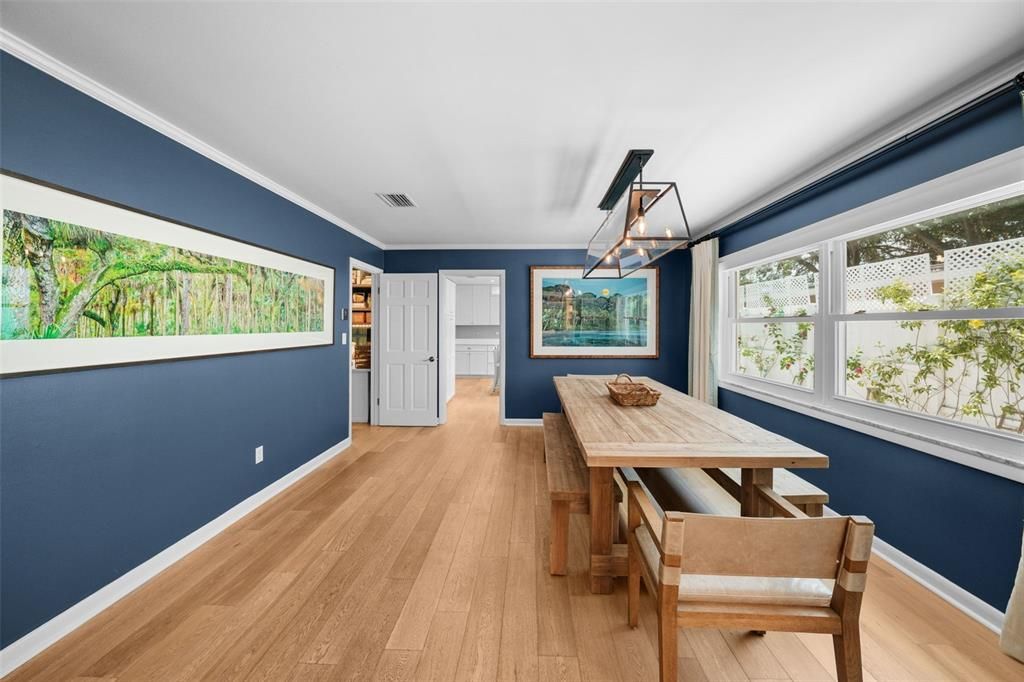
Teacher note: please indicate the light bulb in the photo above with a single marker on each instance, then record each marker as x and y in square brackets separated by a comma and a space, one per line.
[641, 224]
[608, 258]
[628, 242]
[668, 233]
[641, 253]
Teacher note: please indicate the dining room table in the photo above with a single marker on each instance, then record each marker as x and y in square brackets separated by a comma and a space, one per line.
[679, 431]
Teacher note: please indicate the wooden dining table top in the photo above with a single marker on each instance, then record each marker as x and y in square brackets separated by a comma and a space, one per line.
[679, 431]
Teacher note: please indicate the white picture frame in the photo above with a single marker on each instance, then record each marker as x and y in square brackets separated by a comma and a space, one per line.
[33, 355]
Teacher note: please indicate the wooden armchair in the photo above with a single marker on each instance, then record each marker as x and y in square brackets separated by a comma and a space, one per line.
[788, 574]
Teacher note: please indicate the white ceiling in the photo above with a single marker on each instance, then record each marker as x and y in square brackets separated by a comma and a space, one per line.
[505, 122]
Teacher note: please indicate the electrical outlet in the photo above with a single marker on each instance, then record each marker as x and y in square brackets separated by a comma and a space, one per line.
[259, 454]
[344, 338]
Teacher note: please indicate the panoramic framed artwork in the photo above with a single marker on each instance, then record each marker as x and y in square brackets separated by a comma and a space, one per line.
[84, 283]
[573, 317]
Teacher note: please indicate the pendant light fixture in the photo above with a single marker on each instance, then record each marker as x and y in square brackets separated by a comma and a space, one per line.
[643, 222]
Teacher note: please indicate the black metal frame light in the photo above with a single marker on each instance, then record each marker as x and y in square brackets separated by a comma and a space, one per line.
[641, 225]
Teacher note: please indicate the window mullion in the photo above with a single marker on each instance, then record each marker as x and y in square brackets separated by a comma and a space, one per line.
[822, 331]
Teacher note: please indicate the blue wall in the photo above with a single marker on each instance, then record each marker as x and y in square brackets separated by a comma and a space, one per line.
[101, 469]
[529, 391]
[961, 522]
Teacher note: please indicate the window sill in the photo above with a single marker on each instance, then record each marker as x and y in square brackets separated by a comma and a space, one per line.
[993, 463]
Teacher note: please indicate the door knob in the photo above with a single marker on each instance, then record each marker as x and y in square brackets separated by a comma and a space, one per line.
[430, 359]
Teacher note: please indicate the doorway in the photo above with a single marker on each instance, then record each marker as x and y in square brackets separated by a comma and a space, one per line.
[472, 320]
[362, 384]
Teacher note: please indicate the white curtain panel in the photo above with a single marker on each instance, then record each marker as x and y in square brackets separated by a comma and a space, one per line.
[1012, 639]
[704, 322]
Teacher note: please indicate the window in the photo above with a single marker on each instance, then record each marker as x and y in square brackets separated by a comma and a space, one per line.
[914, 324]
[770, 343]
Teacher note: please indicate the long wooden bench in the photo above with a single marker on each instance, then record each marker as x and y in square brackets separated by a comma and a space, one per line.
[717, 491]
[806, 496]
[568, 487]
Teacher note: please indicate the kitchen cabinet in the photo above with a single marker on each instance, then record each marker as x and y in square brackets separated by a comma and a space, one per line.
[464, 304]
[461, 361]
[474, 359]
[494, 306]
[477, 304]
[478, 362]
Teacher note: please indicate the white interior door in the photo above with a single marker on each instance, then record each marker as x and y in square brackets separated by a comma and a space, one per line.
[407, 324]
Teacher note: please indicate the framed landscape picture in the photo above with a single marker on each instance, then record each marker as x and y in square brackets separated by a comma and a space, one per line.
[84, 282]
[572, 317]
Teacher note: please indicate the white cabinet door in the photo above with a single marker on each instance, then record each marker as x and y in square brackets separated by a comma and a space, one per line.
[464, 304]
[478, 362]
[462, 362]
[494, 306]
[481, 302]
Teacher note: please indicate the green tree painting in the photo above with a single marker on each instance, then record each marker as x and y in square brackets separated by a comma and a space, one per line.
[62, 280]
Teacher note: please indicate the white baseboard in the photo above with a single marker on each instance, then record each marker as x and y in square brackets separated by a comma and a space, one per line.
[976, 608]
[950, 592]
[521, 422]
[19, 652]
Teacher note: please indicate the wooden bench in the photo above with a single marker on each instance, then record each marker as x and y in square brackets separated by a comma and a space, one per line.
[717, 491]
[806, 496]
[568, 487]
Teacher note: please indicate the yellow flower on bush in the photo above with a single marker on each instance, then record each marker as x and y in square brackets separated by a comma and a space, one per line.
[1017, 275]
[976, 324]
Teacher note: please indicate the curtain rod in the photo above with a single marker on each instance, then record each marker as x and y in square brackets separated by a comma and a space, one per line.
[1017, 82]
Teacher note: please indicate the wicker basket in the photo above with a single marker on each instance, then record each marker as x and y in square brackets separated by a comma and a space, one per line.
[631, 393]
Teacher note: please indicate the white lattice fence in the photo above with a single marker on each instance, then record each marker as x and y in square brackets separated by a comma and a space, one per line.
[790, 295]
[962, 264]
[864, 281]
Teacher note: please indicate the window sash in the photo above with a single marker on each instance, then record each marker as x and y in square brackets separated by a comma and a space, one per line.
[829, 346]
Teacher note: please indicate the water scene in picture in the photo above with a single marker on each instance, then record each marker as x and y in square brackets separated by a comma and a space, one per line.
[579, 312]
[62, 280]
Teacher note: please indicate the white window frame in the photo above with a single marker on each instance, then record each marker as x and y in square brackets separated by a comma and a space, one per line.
[996, 452]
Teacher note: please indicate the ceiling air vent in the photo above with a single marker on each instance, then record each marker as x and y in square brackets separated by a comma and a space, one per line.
[396, 200]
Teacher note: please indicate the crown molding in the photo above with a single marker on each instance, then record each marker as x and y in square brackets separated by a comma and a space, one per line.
[484, 247]
[959, 95]
[52, 66]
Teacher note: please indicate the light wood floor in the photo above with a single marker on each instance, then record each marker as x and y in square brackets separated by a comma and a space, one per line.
[419, 554]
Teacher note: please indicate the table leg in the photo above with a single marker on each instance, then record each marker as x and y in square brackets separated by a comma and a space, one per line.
[752, 504]
[602, 525]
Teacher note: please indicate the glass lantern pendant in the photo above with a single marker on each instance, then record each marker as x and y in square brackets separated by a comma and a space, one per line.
[646, 223]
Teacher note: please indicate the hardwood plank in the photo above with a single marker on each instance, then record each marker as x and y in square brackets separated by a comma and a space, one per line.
[358, 657]
[478, 659]
[499, 524]
[396, 665]
[236, 661]
[715, 657]
[559, 669]
[555, 635]
[517, 659]
[410, 631]
[798, 662]
[754, 656]
[440, 659]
